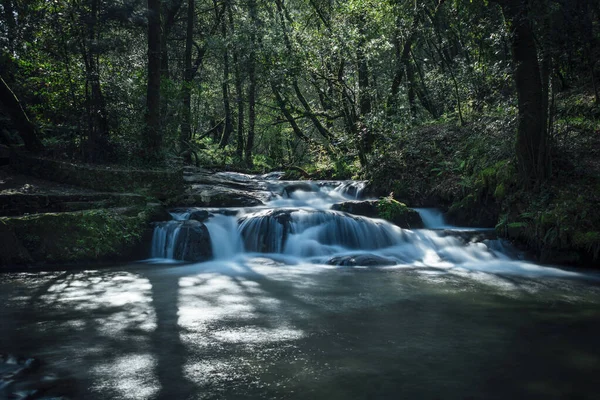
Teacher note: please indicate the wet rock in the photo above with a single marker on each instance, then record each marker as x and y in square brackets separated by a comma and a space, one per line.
[199, 215]
[364, 260]
[299, 187]
[367, 208]
[391, 210]
[193, 242]
[266, 231]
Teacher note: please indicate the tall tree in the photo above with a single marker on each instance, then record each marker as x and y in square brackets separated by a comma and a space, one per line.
[252, 86]
[96, 105]
[228, 128]
[153, 136]
[532, 143]
[186, 122]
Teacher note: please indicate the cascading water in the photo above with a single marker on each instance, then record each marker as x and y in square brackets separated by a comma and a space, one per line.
[299, 225]
[164, 240]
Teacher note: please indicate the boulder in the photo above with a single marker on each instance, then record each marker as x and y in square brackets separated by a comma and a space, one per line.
[199, 215]
[389, 209]
[367, 208]
[363, 260]
[193, 242]
[299, 187]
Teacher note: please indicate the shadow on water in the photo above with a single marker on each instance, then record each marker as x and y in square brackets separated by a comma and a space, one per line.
[256, 329]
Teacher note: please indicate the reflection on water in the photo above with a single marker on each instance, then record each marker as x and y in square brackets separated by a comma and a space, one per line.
[257, 328]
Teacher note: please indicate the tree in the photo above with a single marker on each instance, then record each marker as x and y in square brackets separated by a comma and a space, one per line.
[19, 118]
[532, 142]
[152, 136]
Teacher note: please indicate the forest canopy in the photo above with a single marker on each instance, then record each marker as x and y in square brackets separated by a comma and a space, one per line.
[269, 84]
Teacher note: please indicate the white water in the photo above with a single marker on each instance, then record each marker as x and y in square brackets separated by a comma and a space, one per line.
[164, 240]
[299, 227]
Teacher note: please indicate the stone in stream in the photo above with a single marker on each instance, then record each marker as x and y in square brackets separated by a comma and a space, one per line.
[199, 215]
[299, 187]
[396, 213]
[193, 242]
[363, 260]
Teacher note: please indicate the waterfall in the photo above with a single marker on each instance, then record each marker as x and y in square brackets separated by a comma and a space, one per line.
[433, 218]
[299, 223]
[164, 239]
[225, 238]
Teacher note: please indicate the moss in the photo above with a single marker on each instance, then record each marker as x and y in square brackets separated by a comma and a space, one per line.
[398, 213]
[389, 209]
[81, 236]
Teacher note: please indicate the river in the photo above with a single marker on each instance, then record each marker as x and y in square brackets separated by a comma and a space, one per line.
[446, 320]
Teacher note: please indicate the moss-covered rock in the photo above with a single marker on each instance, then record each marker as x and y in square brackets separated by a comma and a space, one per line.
[398, 213]
[83, 236]
[385, 208]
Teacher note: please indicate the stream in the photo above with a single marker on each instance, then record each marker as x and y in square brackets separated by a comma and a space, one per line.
[300, 301]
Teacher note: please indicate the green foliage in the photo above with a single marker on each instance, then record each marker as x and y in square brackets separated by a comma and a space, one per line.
[390, 209]
[79, 236]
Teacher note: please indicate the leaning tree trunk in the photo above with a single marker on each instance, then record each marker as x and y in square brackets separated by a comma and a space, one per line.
[531, 143]
[18, 116]
[152, 137]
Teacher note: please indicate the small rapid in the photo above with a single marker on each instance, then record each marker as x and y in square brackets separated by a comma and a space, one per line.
[299, 225]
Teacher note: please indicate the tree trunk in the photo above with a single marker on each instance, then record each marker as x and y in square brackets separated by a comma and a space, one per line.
[286, 113]
[228, 129]
[252, 87]
[97, 115]
[186, 123]
[531, 144]
[153, 137]
[239, 94]
[18, 116]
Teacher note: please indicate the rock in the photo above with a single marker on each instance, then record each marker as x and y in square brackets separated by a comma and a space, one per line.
[364, 260]
[391, 210]
[199, 215]
[299, 187]
[193, 242]
[216, 196]
[366, 208]
[157, 213]
[268, 231]
[398, 213]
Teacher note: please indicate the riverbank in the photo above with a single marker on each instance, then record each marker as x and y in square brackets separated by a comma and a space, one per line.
[470, 172]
